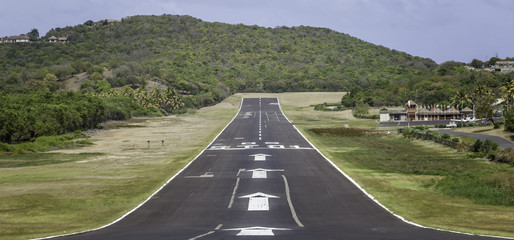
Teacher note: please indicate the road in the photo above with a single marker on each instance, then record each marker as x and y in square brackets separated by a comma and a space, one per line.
[503, 143]
[260, 179]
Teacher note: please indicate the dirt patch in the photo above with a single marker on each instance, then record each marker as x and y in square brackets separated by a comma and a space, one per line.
[153, 84]
[159, 135]
[73, 83]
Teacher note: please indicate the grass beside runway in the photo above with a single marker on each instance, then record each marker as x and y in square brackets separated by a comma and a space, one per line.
[424, 182]
[44, 194]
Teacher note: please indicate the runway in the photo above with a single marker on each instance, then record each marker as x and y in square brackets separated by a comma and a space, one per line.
[260, 179]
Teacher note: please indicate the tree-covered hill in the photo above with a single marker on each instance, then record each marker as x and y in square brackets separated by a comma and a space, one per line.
[211, 59]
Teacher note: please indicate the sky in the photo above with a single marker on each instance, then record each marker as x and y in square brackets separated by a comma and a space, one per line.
[443, 30]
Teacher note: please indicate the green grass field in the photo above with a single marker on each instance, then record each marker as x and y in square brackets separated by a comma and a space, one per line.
[44, 194]
[424, 182]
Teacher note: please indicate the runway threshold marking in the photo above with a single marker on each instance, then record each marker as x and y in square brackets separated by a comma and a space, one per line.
[258, 201]
[291, 207]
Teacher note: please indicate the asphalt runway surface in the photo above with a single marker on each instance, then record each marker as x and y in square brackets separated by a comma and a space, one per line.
[260, 179]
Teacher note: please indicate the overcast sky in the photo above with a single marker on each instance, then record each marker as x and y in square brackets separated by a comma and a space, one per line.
[442, 30]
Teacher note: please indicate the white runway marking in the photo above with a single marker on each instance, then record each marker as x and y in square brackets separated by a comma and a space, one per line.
[258, 201]
[260, 157]
[256, 231]
[291, 207]
[277, 116]
[233, 194]
[262, 173]
[205, 175]
[211, 232]
[219, 147]
[239, 172]
[276, 146]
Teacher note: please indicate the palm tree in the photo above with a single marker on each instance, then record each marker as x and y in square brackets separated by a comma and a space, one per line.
[128, 92]
[508, 91]
[460, 98]
[158, 97]
[172, 100]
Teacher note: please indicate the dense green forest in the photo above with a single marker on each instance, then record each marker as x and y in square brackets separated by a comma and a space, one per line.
[200, 63]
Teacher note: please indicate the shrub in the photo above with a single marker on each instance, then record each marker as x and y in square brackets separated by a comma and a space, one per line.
[490, 145]
[446, 136]
[477, 146]
[455, 140]
[503, 156]
[462, 147]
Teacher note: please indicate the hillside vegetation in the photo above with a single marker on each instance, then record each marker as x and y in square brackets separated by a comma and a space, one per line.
[199, 57]
[200, 63]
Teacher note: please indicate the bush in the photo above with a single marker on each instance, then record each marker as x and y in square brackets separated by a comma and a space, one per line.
[486, 146]
[361, 109]
[446, 136]
[490, 145]
[455, 140]
[503, 156]
[477, 146]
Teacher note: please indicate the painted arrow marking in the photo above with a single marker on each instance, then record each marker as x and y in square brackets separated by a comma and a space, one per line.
[262, 173]
[258, 201]
[260, 157]
[256, 231]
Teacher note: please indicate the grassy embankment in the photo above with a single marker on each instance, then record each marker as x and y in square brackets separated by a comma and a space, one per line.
[51, 193]
[425, 182]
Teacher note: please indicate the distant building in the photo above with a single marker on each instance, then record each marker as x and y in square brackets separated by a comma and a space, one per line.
[54, 39]
[413, 112]
[15, 39]
[106, 22]
[504, 66]
[500, 66]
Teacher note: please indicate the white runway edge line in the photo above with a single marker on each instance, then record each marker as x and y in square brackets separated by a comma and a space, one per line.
[158, 190]
[371, 196]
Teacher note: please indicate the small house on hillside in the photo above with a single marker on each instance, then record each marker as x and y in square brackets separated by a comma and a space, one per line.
[15, 39]
[106, 22]
[54, 39]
